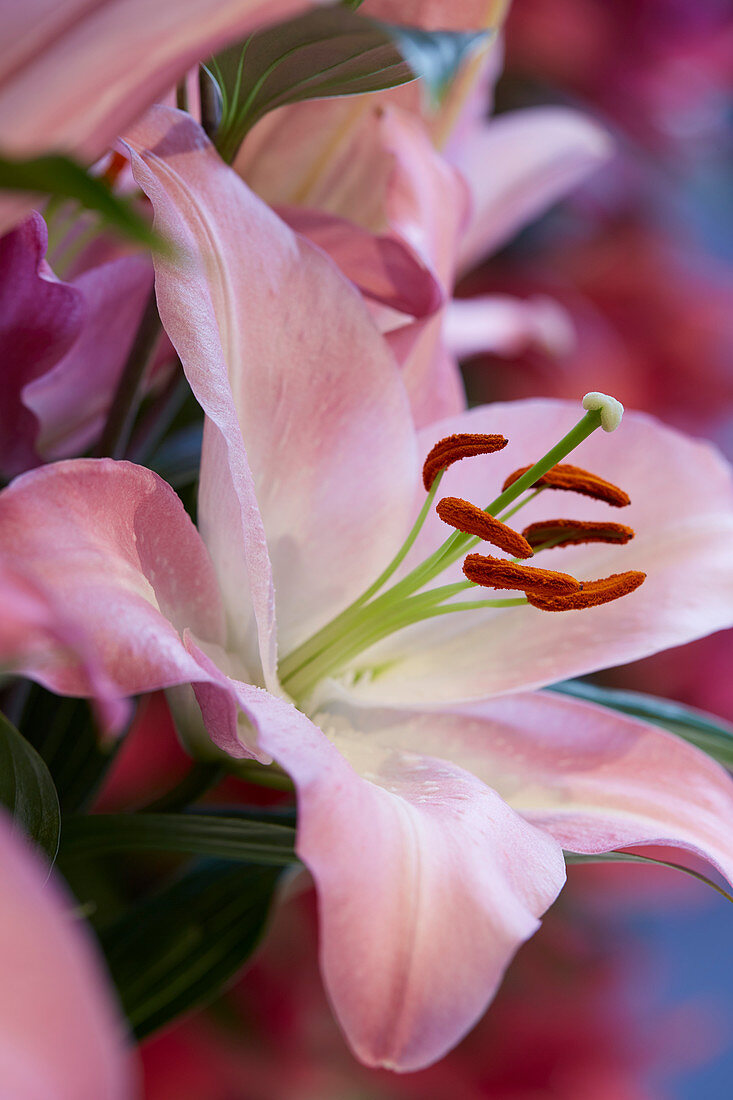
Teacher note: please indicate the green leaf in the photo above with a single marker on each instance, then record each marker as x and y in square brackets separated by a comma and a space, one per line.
[61, 177]
[221, 835]
[175, 950]
[323, 53]
[705, 731]
[64, 733]
[635, 857]
[26, 788]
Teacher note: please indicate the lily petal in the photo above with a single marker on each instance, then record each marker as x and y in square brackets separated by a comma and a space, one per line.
[427, 881]
[111, 544]
[681, 510]
[75, 73]
[438, 15]
[384, 269]
[320, 406]
[595, 779]
[40, 318]
[519, 164]
[501, 325]
[71, 400]
[61, 1034]
[34, 629]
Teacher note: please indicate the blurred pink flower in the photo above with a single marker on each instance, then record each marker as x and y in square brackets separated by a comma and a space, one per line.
[432, 810]
[61, 1032]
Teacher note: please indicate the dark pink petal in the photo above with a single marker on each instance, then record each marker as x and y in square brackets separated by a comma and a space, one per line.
[40, 318]
[62, 1036]
[427, 881]
[70, 402]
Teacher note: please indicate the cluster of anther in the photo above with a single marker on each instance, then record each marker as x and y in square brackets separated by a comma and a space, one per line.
[545, 589]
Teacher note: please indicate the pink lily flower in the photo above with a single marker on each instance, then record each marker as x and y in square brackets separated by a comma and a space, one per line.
[436, 791]
[64, 346]
[61, 1033]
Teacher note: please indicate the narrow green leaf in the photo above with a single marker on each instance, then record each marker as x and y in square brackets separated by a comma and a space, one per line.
[224, 836]
[175, 950]
[325, 52]
[27, 790]
[65, 735]
[61, 177]
[635, 857]
[705, 731]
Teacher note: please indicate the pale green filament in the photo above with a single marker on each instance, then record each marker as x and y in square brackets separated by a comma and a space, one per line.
[364, 623]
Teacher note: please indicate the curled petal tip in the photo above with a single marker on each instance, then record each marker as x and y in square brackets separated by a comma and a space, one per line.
[610, 409]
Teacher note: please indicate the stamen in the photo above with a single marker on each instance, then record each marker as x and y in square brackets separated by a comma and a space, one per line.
[496, 573]
[591, 594]
[455, 447]
[566, 532]
[472, 520]
[576, 480]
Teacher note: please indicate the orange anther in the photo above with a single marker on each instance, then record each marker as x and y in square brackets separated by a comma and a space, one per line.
[576, 480]
[472, 520]
[591, 594]
[498, 573]
[455, 447]
[565, 532]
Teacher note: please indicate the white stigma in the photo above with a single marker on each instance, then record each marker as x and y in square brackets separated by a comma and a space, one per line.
[610, 409]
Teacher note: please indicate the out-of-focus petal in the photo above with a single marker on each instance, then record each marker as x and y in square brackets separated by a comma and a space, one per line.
[75, 73]
[498, 324]
[384, 269]
[427, 881]
[40, 318]
[110, 543]
[71, 400]
[681, 510]
[595, 779]
[287, 363]
[61, 1033]
[518, 165]
[439, 15]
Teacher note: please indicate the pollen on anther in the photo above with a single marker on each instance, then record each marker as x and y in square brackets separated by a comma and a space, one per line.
[567, 532]
[591, 594]
[472, 520]
[455, 447]
[492, 572]
[576, 480]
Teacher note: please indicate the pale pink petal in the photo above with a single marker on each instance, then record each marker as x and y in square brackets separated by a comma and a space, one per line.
[74, 73]
[384, 269]
[427, 881]
[500, 325]
[110, 543]
[71, 401]
[595, 779]
[519, 164]
[681, 509]
[40, 318]
[283, 353]
[61, 1032]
